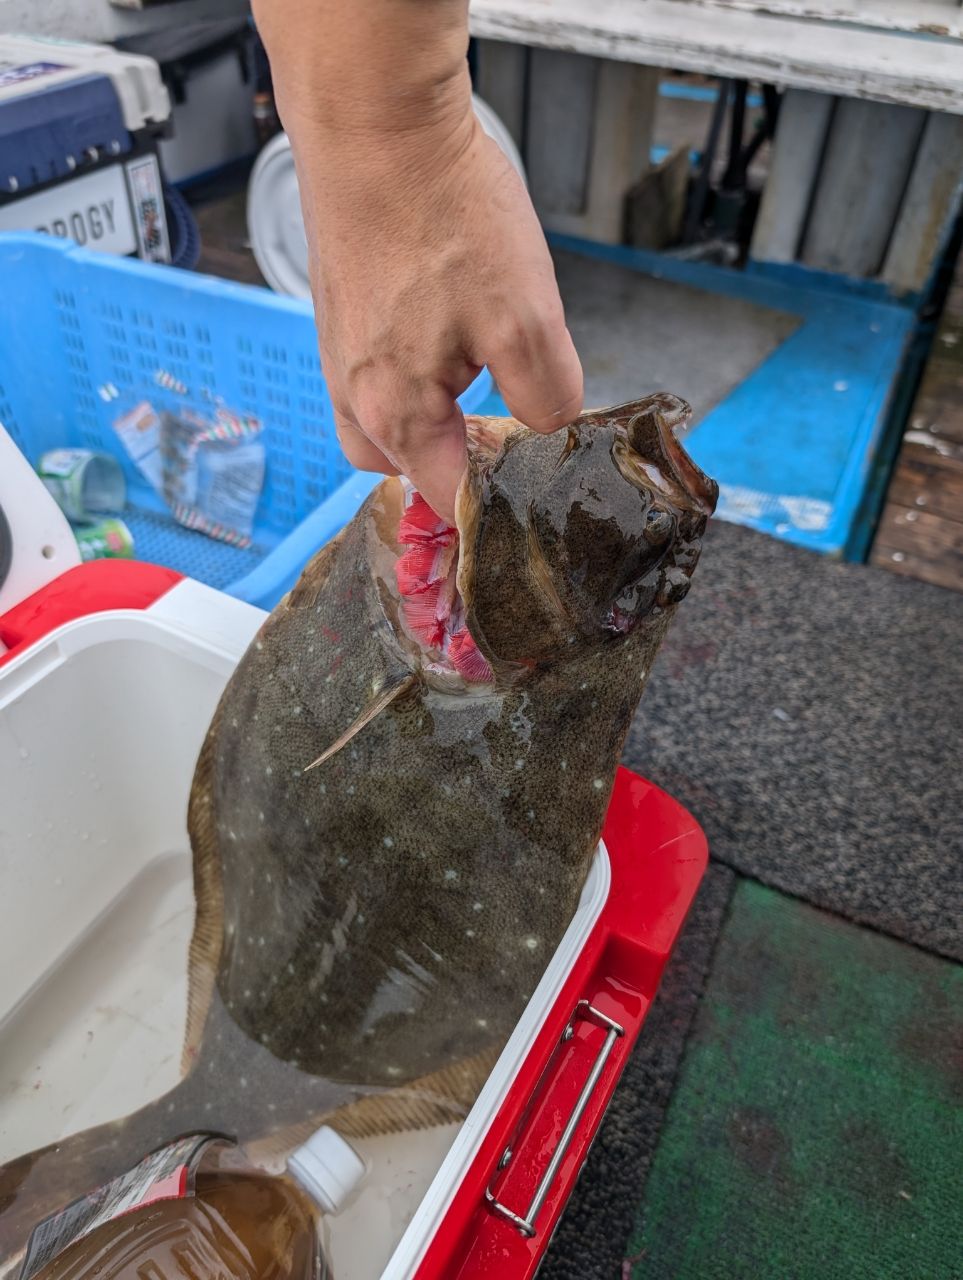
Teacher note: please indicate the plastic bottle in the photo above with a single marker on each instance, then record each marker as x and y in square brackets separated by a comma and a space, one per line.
[198, 1210]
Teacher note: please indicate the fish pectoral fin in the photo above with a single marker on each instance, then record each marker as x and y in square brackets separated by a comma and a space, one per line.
[384, 699]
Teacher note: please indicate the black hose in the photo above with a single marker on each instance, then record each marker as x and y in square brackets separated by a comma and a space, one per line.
[184, 232]
[697, 199]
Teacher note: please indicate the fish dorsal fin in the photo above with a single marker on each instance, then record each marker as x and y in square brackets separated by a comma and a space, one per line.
[205, 951]
[384, 699]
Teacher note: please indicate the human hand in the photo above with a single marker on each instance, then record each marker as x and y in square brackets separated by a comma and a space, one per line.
[427, 263]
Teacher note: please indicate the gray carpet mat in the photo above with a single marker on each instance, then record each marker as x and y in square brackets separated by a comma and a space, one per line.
[592, 1237]
[810, 714]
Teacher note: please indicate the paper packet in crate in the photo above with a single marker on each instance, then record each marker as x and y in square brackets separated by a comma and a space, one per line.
[213, 469]
[209, 469]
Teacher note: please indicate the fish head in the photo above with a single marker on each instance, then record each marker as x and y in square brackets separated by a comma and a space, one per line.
[581, 537]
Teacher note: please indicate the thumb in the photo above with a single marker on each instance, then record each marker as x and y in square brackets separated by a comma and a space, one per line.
[540, 377]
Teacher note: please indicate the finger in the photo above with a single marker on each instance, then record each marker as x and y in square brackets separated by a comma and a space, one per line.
[435, 462]
[539, 375]
[361, 452]
[423, 434]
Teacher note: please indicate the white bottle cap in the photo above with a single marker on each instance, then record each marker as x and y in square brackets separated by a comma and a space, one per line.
[328, 1168]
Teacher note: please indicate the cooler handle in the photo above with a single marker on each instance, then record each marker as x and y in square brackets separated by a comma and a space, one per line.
[526, 1225]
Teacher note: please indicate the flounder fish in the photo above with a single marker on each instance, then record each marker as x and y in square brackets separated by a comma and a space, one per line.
[398, 800]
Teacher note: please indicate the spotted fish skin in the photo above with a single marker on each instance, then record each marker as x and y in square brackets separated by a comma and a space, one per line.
[382, 918]
[390, 912]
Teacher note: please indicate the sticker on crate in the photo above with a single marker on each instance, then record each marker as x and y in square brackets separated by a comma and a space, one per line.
[208, 468]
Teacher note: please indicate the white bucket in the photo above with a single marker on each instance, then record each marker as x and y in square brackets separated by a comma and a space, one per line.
[274, 222]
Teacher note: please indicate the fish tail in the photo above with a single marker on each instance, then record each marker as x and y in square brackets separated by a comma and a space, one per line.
[41, 1182]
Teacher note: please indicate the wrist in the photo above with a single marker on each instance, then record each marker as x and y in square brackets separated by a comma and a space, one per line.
[368, 68]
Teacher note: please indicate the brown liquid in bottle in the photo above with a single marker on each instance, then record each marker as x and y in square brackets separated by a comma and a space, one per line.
[240, 1224]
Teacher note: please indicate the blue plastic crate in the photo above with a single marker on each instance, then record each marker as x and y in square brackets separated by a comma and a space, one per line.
[82, 338]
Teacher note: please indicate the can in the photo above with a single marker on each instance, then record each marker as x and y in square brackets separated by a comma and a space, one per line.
[84, 484]
[107, 540]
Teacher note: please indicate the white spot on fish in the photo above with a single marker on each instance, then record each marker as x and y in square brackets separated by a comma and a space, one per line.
[389, 843]
[469, 933]
[342, 860]
[451, 875]
[563, 764]
[394, 1071]
[290, 968]
[584, 684]
[598, 784]
[481, 1022]
[247, 993]
[446, 788]
[260, 815]
[267, 877]
[541, 889]
[258, 645]
[260, 941]
[531, 943]
[268, 770]
[243, 1082]
[296, 711]
[531, 815]
[350, 790]
[233, 723]
[519, 764]
[231, 835]
[476, 906]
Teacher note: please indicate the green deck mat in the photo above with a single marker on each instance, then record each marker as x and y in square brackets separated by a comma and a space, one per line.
[816, 1129]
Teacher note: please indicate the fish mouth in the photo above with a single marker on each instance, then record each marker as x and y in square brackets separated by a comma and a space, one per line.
[671, 414]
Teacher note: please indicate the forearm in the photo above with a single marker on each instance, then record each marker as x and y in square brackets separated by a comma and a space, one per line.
[366, 66]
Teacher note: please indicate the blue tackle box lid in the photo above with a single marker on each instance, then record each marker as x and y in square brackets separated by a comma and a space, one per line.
[63, 104]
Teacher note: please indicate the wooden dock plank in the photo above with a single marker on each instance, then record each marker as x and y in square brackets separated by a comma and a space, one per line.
[719, 39]
[921, 545]
[921, 530]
